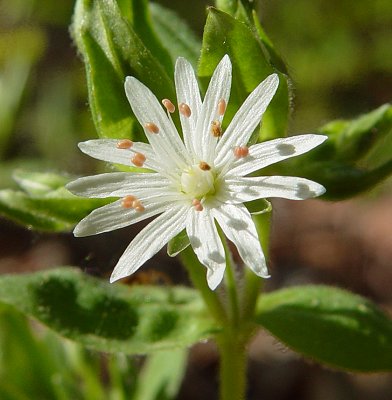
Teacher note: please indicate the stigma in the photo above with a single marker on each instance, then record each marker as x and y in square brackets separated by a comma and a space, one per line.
[197, 182]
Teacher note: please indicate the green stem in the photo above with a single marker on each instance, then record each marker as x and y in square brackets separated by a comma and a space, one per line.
[233, 362]
[196, 273]
[253, 284]
[230, 282]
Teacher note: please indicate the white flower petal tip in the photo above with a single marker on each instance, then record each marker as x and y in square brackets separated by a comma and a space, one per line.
[114, 277]
[81, 230]
[214, 277]
[195, 182]
[272, 83]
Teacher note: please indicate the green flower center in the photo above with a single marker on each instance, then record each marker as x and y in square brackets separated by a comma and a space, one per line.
[197, 182]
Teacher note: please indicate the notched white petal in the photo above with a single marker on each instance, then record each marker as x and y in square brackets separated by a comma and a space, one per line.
[107, 150]
[218, 89]
[148, 110]
[263, 154]
[114, 216]
[246, 119]
[188, 93]
[207, 245]
[243, 189]
[150, 240]
[118, 184]
[238, 226]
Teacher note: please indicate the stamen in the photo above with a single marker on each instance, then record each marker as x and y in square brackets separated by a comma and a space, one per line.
[241, 151]
[169, 106]
[185, 110]
[151, 127]
[138, 159]
[124, 144]
[216, 129]
[127, 201]
[204, 166]
[138, 206]
[197, 204]
[221, 106]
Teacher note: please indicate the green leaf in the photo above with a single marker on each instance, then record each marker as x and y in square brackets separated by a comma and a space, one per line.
[19, 51]
[161, 376]
[47, 205]
[18, 348]
[138, 14]
[179, 243]
[353, 139]
[110, 318]
[111, 50]
[355, 158]
[31, 358]
[271, 53]
[36, 183]
[175, 34]
[329, 325]
[224, 34]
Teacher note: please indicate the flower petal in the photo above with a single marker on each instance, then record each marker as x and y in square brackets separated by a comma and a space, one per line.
[219, 88]
[240, 189]
[119, 184]
[147, 109]
[246, 119]
[207, 245]
[106, 150]
[238, 226]
[263, 154]
[114, 216]
[188, 92]
[150, 240]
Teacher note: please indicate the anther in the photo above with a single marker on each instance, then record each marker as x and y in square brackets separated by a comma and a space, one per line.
[221, 106]
[169, 106]
[184, 109]
[127, 201]
[216, 129]
[204, 166]
[151, 127]
[124, 144]
[138, 206]
[241, 151]
[138, 159]
[197, 204]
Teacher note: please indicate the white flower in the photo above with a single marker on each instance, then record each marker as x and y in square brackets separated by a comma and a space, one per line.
[194, 182]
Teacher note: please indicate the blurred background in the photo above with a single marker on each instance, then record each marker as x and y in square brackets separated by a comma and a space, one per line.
[340, 59]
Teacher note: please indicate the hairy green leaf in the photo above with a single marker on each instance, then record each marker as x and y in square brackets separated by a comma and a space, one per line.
[111, 50]
[30, 358]
[224, 34]
[175, 34]
[178, 244]
[355, 158]
[107, 317]
[19, 51]
[161, 376]
[141, 20]
[46, 204]
[329, 325]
